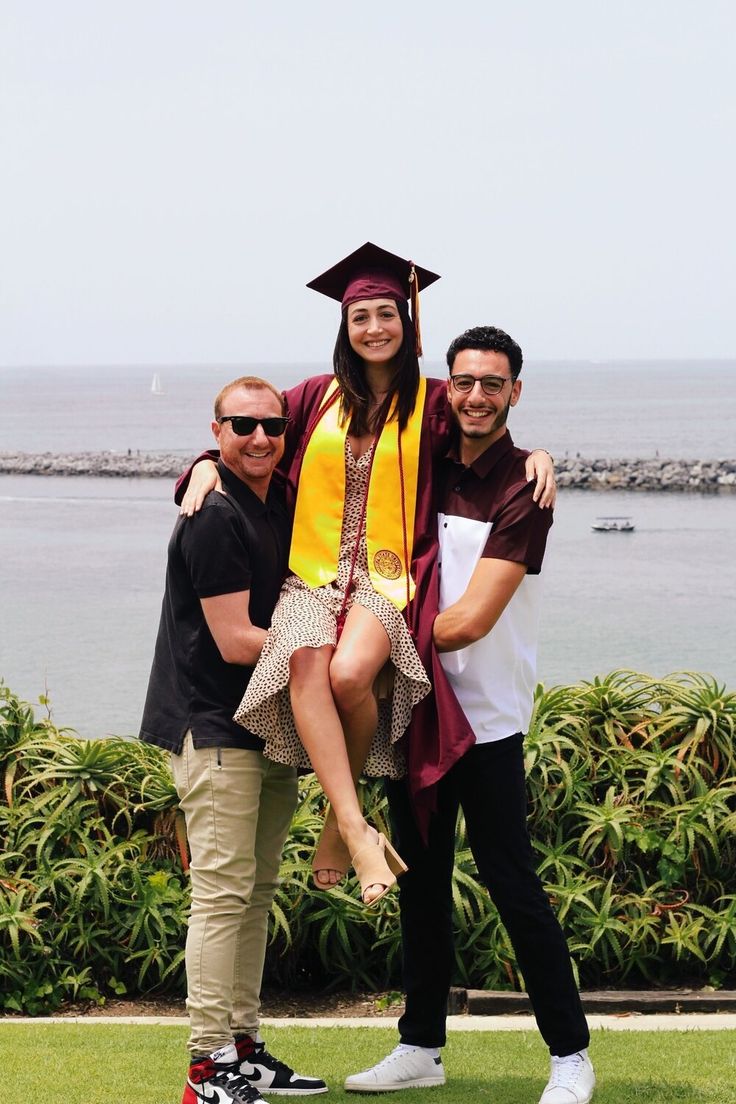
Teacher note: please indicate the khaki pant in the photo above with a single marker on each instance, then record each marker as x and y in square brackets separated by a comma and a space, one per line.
[238, 807]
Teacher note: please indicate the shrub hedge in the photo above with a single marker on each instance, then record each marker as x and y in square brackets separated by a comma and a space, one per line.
[632, 786]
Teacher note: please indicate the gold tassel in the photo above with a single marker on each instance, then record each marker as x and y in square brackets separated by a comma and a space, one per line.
[414, 296]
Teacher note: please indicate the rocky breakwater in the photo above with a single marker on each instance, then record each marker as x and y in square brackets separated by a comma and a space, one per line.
[710, 476]
[119, 464]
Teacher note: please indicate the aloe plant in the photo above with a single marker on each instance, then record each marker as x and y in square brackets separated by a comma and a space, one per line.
[632, 801]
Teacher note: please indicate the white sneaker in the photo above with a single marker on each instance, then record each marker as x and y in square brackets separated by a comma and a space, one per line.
[571, 1080]
[401, 1069]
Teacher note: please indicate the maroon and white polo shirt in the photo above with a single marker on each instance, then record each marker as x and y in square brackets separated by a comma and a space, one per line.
[487, 511]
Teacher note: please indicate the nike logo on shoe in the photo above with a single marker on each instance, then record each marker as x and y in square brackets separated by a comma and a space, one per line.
[211, 1094]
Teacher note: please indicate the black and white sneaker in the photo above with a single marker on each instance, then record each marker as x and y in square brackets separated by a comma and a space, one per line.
[270, 1075]
[212, 1080]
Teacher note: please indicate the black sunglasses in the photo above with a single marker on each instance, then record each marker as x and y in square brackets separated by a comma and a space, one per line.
[243, 424]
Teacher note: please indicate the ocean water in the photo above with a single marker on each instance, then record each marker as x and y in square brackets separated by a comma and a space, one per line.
[83, 559]
[598, 409]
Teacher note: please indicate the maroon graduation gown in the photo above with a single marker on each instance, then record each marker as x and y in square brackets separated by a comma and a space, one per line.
[438, 734]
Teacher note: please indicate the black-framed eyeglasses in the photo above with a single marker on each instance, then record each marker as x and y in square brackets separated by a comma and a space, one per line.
[491, 384]
[243, 424]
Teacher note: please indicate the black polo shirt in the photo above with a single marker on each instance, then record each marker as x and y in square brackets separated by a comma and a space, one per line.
[236, 542]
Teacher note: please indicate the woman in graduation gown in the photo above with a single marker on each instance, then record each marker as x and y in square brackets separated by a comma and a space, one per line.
[357, 609]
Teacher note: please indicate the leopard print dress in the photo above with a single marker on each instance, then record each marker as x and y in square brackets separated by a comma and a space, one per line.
[307, 618]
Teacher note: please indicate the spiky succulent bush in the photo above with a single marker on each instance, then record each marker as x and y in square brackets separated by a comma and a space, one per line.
[632, 787]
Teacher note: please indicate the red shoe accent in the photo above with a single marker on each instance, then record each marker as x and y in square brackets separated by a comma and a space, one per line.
[201, 1070]
[245, 1046]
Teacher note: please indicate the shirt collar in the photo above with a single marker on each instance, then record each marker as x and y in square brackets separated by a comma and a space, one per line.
[241, 492]
[484, 464]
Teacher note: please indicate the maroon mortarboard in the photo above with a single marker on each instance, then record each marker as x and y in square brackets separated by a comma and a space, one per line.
[374, 273]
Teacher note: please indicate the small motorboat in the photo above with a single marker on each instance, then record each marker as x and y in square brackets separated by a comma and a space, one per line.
[613, 525]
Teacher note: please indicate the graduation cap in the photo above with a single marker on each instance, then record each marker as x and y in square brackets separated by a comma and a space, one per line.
[374, 273]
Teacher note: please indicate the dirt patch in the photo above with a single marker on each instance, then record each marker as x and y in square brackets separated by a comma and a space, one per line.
[274, 1003]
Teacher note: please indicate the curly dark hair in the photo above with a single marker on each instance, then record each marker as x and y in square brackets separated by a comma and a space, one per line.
[488, 339]
[355, 400]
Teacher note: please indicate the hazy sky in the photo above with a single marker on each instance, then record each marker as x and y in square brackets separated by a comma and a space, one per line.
[174, 172]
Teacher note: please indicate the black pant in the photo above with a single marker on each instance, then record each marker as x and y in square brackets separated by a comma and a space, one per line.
[488, 782]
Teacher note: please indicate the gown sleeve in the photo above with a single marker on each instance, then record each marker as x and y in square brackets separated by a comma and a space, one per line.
[439, 733]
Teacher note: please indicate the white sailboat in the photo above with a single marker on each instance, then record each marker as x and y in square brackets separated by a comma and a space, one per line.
[156, 388]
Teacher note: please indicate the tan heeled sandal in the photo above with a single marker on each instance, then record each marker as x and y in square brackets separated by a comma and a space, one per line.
[377, 863]
[331, 856]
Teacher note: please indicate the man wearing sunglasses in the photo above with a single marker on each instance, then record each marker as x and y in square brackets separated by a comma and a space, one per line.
[492, 538]
[224, 572]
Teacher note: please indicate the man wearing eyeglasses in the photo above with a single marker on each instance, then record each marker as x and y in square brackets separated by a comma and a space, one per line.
[224, 572]
[492, 537]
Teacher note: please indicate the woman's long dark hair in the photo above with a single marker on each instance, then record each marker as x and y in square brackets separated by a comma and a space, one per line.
[350, 374]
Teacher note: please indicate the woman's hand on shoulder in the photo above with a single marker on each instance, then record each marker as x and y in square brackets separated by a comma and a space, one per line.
[204, 478]
[540, 466]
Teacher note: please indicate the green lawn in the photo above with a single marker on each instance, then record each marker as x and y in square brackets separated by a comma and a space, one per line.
[104, 1064]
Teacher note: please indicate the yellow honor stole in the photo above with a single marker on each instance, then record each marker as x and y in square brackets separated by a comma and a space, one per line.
[390, 509]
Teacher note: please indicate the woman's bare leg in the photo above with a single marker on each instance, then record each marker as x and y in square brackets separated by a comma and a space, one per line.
[320, 730]
[363, 650]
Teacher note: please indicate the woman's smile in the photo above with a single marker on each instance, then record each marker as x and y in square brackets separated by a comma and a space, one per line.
[375, 329]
